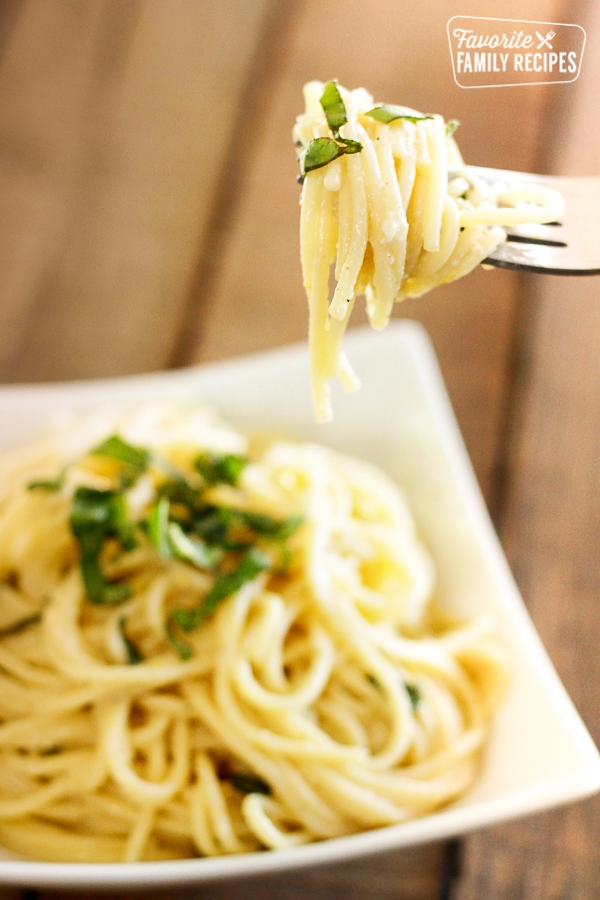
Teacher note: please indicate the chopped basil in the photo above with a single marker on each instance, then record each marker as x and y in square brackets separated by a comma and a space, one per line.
[97, 587]
[250, 784]
[158, 527]
[333, 107]
[285, 558]
[388, 112]
[133, 653]
[220, 469]
[212, 523]
[171, 540]
[372, 679]
[134, 459]
[323, 150]
[414, 694]
[269, 527]
[225, 584]
[217, 525]
[180, 524]
[451, 126]
[182, 647]
[351, 146]
[20, 625]
[319, 152]
[50, 484]
[97, 515]
[116, 448]
[197, 552]
[179, 490]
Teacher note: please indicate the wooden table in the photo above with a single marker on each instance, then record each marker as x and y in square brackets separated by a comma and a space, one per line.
[148, 219]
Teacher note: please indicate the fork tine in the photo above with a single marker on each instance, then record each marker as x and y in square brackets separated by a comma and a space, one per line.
[571, 248]
[551, 234]
[541, 259]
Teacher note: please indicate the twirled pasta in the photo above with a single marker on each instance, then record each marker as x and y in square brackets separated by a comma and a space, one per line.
[398, 218]
[320, 699]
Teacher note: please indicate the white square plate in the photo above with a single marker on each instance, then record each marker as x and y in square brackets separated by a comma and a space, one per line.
[539, 753]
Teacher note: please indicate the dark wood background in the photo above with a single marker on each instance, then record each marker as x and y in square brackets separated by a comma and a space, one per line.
[149, 219]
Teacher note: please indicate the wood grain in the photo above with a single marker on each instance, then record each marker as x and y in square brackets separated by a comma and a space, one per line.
[115, 118]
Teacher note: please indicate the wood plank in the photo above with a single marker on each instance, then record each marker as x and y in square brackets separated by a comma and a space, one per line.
[11, 894]
[9, 12]
[255, 299]
[410, 875]
[115, 121]
[550, 527]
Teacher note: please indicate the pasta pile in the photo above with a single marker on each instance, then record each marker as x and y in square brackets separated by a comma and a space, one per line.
[209, 646]
[388, 199]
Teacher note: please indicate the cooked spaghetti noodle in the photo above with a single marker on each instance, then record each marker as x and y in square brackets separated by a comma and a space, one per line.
[387, 198]
[207, 648]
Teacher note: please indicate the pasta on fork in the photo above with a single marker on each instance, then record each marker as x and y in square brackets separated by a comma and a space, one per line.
[387, 198]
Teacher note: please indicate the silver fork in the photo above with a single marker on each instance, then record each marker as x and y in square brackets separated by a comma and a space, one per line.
[568, 247]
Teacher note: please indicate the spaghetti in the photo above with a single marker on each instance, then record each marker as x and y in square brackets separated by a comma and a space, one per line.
[387, 198]
[207, 647]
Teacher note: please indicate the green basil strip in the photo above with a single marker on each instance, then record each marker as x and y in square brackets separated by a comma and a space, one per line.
[333, 107]
[451, 126]
[99, 590]
[413, 691]
[134, 460]
[387, 113]
[250, 784]
[414, 695]
[199, 553]
[171, 540]
[184, 649]
[133, 653]
[323, 150]
[95, 513]
[350, 146]
[123, 527]
[372, 679]
[95, 516]
[158, 527]
[212, 523]
[20, 625]
[116, 448]
[49, 484]
[269, 527]
[285, 559]
[220, 468]
[320, 152]
[178, 490]
[226, 583]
